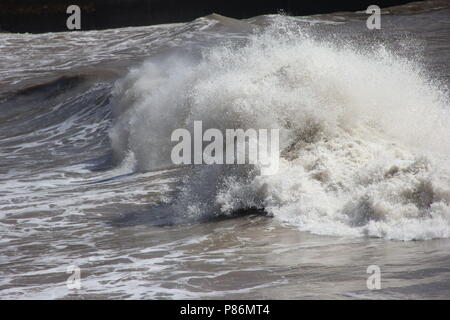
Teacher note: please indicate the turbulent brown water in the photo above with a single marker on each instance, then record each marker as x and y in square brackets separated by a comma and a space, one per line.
[364, 179]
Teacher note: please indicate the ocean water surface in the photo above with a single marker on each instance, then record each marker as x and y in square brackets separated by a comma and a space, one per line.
[86, 177]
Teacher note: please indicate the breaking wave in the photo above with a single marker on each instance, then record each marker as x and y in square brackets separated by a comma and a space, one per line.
[364, 132]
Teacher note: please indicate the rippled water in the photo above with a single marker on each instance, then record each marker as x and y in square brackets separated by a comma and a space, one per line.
[85, 178]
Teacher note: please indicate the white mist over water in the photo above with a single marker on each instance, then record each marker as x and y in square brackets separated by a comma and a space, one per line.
[364, 133]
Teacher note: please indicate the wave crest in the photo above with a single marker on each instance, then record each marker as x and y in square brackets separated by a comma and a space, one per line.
[363, 135]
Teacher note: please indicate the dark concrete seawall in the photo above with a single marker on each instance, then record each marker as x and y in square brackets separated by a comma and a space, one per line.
[50, 15]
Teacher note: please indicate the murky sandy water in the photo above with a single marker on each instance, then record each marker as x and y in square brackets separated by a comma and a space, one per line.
[64, 200]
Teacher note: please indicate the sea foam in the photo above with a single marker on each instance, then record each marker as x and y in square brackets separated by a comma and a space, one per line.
[364, 132]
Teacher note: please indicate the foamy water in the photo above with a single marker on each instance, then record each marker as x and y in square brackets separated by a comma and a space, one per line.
[362, 131]
[87, 179]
